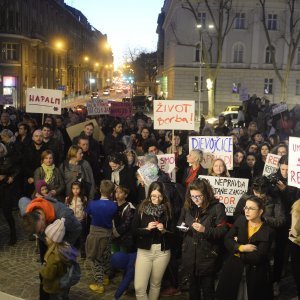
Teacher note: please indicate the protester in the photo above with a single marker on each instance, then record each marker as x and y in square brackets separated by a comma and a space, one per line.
[98, 242]
[246, 273]
[152, 227]
[58, 257]
[218, 168]
[203, 222]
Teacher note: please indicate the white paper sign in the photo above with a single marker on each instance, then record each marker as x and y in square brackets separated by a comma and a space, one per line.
[244, 96]
[279, 108]
[271, 165]
[44, 101]
[213, 147]
[166, 163]
[228, 190]
[294, 162]
[174, 114]
[98, 107]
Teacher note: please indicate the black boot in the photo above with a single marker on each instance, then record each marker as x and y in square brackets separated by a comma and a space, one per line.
[13, 237]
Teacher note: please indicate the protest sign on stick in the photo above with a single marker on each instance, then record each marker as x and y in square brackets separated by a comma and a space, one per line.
[44, 101]
[174, 114]
[166, 163]
[98, 107]
[120, 109]
[228, 190]
[294, 162]
[271, 164]
[213, 147]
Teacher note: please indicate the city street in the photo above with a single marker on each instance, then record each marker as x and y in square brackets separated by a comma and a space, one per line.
[19, 267]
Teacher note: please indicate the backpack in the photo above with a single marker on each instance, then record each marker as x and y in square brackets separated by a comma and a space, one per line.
[71, 277]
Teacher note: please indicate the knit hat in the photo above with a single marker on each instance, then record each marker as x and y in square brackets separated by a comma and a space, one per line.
[39, 184]
[56, 230]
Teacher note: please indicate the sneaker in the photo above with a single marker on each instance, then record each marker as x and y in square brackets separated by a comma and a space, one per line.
[276, 290]
[106, 281]
[170, 291]
[98, 288]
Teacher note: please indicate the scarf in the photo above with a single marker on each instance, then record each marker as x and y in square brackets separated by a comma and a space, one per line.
[48, 172]
[192, 175]
[154, 210]
[115, 175]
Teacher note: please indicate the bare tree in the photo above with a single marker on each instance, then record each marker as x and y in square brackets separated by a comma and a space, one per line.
[291, 38]
[222, 15]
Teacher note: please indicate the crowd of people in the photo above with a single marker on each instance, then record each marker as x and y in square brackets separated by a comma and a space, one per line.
[101, 201]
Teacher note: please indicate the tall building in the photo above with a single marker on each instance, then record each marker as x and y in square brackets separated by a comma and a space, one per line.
[48, 44]
[188, 54]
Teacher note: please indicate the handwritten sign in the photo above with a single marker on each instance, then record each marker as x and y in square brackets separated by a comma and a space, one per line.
[174, 114]
[43, 101]
[279, 108]
[271, 165]
[228, 190]
[166, 163]
[213, 147]
[120, 109]
[98, 107]
[294, 162]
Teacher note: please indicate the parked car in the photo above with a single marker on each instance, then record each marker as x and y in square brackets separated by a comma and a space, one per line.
[231, 108]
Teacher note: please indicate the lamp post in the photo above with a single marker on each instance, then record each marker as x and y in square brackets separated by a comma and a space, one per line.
[199, 26]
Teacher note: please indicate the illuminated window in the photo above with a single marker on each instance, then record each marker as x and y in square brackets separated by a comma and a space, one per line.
[9, 51]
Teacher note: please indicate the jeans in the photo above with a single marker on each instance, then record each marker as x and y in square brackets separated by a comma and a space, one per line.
[150, 264]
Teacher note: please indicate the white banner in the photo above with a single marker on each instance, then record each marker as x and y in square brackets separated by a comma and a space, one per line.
[166, 163]
[228, 190]
[213, 147]
[174, 114]
[294, 162]
[271, 165]
[44, 101]
[97, 107]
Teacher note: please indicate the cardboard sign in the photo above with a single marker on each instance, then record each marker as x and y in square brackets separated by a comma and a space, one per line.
[213, 147]
[98, 107]
[44, 101]
[279, 108]
[166, 163]
[228, 190]
[294, 162]
[120, 109]
[271, 165]
[174, 114]
[75, 130]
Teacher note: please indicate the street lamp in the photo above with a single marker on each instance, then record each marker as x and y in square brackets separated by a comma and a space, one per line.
[199, 26]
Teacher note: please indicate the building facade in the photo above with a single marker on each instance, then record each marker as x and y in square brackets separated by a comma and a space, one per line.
[48, 44]
[245, 65]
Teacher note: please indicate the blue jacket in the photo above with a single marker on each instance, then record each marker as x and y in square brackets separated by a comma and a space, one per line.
[126, 262]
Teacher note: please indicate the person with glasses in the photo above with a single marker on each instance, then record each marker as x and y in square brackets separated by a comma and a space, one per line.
[151, 226]
[203, 222]
[246, 273]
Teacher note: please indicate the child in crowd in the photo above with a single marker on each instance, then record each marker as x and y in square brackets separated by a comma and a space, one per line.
[41, 188]
[122, 222]
[57, 259]
[125, 262]
[78, 202]
[98, 242]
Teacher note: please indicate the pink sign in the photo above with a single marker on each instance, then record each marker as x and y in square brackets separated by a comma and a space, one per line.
[120, 109]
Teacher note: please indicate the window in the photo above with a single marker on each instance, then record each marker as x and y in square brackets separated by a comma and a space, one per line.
[238, 53]
[197, 54]
[272, 22]
[268, 86]
[268, 58]
[196, 84]
[9, 51]
[297, 86]
[202, 19]
[240, 21]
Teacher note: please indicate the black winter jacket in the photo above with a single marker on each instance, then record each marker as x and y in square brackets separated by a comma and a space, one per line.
[200, 251]
[145, 238]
